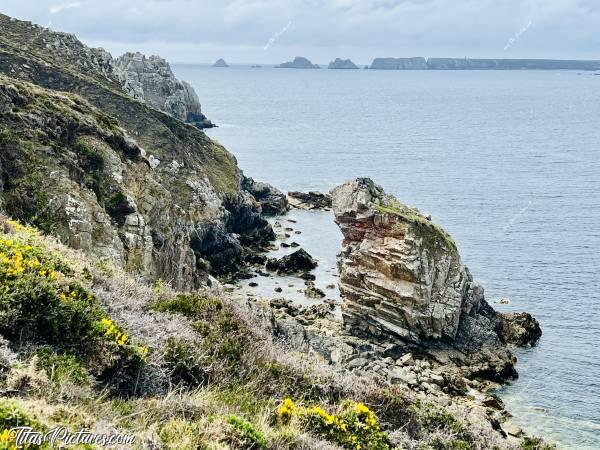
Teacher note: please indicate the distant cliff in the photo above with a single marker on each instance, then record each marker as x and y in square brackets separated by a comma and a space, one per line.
[342, 64]
[399, 63]
[299, 62]
[481, 64]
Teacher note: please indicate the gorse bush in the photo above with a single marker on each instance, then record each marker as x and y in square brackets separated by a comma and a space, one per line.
[355, 427]
[11, 415]
[244, 435]
[61, 367]
[45, 301]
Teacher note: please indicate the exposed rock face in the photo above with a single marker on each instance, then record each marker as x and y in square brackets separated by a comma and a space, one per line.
[299, 62]
[509, 64]
[160, 199]
[401, 275]
[418, 63]
[519, 329]
[342, 64]
[309, 200]
[220, 63]
[273, 202]
[150, 80]
[299, 261]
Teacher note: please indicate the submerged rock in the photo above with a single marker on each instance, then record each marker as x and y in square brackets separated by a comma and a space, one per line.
[309, 200]
[342, 64]
[220, 63]
[299, 62]
[299, 261]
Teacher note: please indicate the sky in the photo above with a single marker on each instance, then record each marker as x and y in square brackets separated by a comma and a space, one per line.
[273, 31]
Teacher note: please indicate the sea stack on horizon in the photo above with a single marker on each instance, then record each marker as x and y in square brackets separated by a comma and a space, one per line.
[342, 64]
[299, 62]
[220, 63]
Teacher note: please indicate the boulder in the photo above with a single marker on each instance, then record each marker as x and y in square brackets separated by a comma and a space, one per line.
[519, 328]
[342, 64]
[309, 200]
[272, 201]
[299, 62]
[299, 261]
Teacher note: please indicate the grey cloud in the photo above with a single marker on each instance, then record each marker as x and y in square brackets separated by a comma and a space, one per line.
[322, 29]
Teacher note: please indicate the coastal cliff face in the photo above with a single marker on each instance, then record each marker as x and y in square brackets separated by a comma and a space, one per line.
[299, 62]
[403, 283]
[151, 80]
[418, 63]
[111, 175]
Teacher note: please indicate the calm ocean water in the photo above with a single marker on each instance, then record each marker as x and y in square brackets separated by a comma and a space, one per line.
[507, 162]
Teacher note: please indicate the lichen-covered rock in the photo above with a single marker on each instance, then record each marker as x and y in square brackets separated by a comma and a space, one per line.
[151, 80]
[401, 275]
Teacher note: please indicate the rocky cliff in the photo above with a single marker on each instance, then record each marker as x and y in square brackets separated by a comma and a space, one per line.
[299, 62]
[418, 63]
[402, 280]
[509, 64]
[113, 176]
[342, 64]
[151, 80]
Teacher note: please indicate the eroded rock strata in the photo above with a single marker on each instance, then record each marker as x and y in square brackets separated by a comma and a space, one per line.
[111, 175]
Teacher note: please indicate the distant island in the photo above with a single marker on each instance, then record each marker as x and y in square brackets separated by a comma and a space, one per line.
[342, 64]
[299, 62]
[220, 63]
[420, 63]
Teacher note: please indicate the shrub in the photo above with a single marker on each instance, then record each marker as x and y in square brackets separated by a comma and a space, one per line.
[356, 427]
[12, 416]
[244, 435]
[62, 367]
[179, 434]
[191, 305]
[186, 365]
[434, 419]
[535, 443]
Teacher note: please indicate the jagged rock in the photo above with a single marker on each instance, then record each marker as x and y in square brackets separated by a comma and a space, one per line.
[220, 63]
[272, 200]
[399, 273]
[342, 64]
[299, 261]
[299, 62]
[519, 329]
[95, 186]
[403, 282]
[310, 200]
[150, 80]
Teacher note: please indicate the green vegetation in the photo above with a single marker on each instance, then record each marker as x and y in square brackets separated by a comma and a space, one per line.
[243, 434]
[433, 235]
[62, 367]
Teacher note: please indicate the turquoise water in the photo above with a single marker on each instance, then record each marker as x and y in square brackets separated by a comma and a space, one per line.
[507, 162]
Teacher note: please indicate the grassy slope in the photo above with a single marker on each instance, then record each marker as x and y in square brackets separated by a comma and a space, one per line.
[211, 378]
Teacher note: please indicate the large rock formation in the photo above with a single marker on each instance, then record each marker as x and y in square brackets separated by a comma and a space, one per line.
[401, 275]
[342, 64]
[418, 63]
[509, 64]
[272, 201]
[112, 176]
[309, 200]
[220, 63]
[299, 62]
[151, 80]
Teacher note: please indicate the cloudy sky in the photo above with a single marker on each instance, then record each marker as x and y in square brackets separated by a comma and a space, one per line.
[272, 31]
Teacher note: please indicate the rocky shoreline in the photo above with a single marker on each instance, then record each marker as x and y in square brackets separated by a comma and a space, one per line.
[411, 313]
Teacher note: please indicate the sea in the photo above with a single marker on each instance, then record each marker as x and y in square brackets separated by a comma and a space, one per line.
[508, 162]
